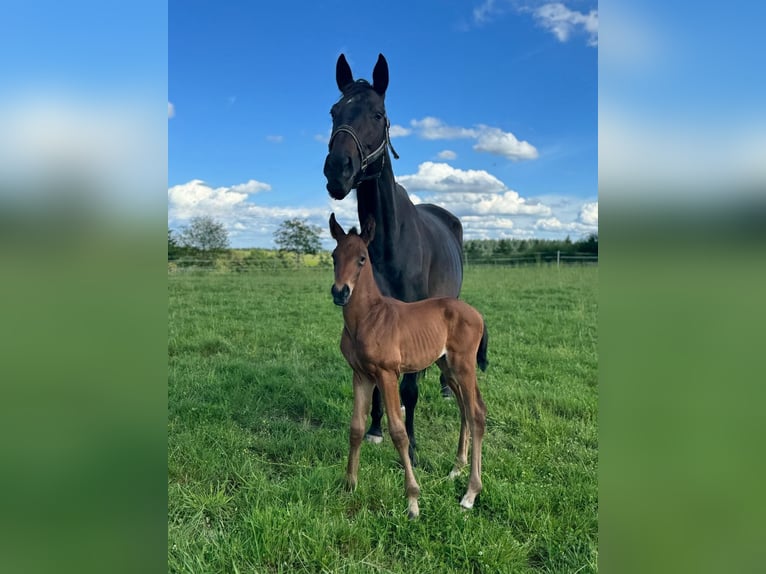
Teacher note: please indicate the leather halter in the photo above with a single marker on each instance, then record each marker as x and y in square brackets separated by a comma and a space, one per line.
[369, 158]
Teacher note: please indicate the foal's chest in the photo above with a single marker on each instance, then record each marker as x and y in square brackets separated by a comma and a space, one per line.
[369, 354]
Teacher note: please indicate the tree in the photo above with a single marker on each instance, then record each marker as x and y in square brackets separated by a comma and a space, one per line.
[174, 250]
[297, 236]
[205, 234]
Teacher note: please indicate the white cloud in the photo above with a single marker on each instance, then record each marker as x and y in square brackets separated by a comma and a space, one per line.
[197, 198]
[482, 13]
[171, 110]
[247, 223]
[488, 208]
[467, 192]
[447, 154]
[589, 213]
[275, 138]
[252, 186]
[443, 178]
[396, 131]
[555, 225]
[488, 139]
[431, 128]
[562, 22]
[498, 142]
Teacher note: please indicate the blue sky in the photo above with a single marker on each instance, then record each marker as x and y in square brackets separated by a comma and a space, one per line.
[493, 109]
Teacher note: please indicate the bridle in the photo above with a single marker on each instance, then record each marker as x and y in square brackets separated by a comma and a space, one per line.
[369, 158]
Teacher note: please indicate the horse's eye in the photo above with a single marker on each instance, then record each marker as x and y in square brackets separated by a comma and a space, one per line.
[362, 259]
[378, 116]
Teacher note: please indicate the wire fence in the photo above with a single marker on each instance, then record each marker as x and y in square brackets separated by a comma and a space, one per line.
[224, 264]
[541, 258]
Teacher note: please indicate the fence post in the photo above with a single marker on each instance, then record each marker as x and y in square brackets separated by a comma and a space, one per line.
[558, 258]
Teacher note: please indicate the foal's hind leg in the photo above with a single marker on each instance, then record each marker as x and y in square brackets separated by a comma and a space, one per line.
[462, 445]
[476, 413]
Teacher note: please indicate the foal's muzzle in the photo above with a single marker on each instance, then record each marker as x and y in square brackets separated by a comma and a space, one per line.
[340, 296]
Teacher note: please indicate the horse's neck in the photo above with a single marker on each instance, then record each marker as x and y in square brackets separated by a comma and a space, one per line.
[381, 198]
[364, 297]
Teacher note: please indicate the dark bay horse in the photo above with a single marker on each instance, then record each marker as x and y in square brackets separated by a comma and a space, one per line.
[383, 337]
[418, 249]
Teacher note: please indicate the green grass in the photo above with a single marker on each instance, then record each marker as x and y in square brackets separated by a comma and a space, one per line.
[260, 402]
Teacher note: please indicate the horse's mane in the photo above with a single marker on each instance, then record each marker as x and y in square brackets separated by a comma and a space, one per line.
[356, 87]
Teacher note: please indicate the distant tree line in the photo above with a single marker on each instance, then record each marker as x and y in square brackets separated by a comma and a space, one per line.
[477, 250]
[205, 243]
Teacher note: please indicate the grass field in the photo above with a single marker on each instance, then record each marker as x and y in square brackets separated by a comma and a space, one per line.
[259, 405]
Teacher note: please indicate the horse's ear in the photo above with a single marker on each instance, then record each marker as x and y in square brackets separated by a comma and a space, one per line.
[380, 75]
[368, 229]
[343, 75]
[335, 229]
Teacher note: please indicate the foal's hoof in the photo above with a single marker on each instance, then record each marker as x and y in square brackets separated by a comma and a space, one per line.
[373, 438]
[447, 393]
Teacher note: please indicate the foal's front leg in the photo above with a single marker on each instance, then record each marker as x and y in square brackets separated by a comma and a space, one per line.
[363, 388]
[387, 384]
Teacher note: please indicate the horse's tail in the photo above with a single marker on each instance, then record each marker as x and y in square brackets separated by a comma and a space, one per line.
[481, 354]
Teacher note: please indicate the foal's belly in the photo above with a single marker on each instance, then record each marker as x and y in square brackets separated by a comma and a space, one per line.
[415, 359]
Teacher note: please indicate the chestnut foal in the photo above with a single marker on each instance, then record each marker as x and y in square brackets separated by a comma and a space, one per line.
[383, 338]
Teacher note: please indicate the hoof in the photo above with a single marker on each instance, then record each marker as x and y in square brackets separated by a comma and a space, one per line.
[373, 438]
[453, 474]
[414, 510]
[466, 504]
[447, 393]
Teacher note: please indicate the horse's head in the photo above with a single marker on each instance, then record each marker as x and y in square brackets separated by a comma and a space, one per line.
[359, 129]
[349, 257]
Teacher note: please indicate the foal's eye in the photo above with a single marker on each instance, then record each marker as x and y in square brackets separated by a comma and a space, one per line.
[362, 259]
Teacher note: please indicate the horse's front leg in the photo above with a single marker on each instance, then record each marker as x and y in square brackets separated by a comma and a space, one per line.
[375, 432]
[408, 391]
[363, 388]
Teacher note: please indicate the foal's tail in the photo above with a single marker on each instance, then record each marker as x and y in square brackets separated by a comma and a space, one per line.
[481, 354]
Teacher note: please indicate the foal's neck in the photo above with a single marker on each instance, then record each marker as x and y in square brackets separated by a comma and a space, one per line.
[364, 297]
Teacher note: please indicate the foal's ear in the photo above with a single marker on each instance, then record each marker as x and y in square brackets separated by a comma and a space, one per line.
[380, 76]
[368, 229]
[335, 229]
[343, 75]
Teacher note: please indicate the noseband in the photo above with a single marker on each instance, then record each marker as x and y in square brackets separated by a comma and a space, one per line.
[369, 158]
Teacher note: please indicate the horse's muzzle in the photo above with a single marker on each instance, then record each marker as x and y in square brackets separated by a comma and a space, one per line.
[339, 171]
[340, 296]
